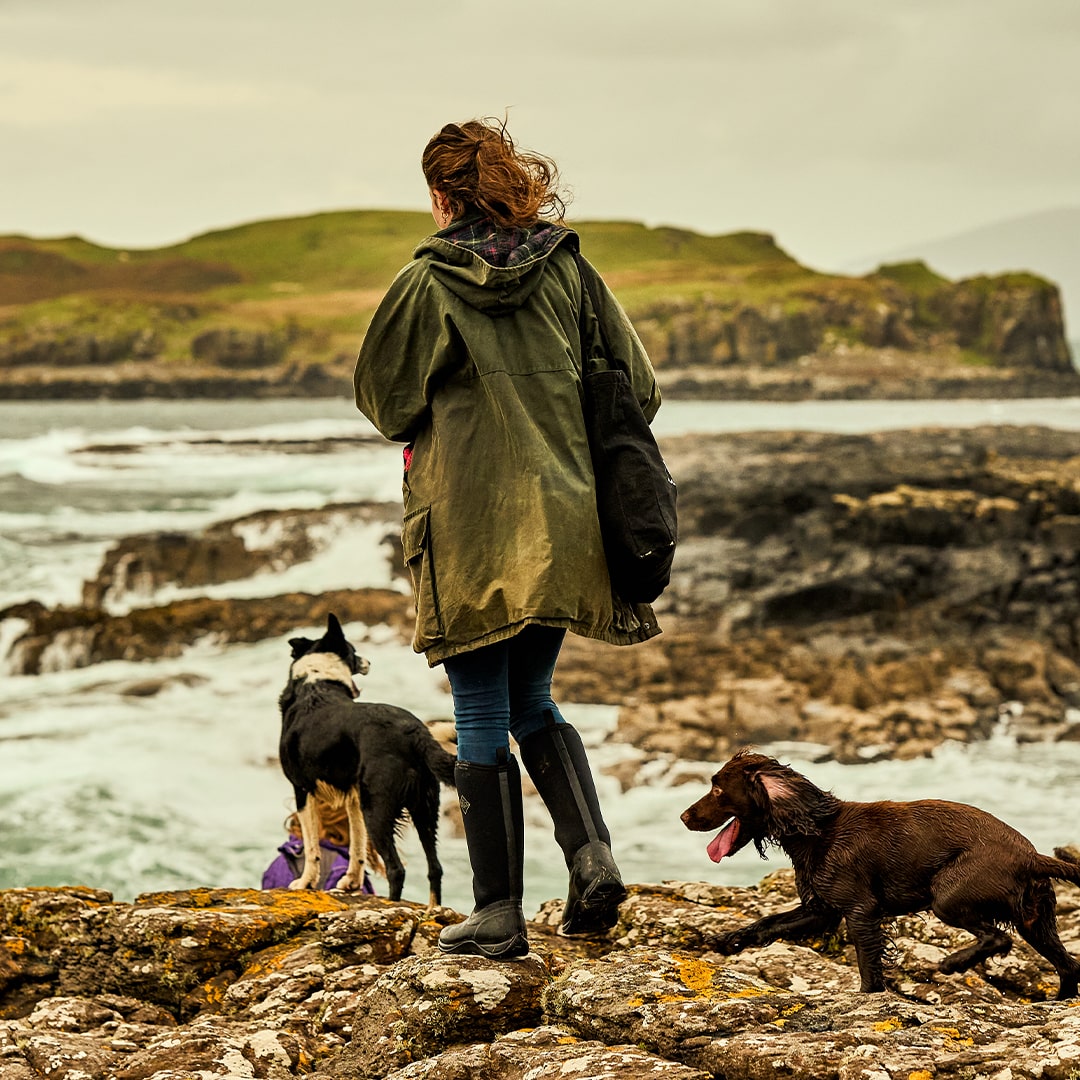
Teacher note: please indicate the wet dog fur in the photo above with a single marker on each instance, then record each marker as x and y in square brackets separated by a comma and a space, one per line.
[377, 760]
[867, 862]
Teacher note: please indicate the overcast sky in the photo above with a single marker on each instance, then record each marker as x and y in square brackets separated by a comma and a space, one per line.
[843, 127]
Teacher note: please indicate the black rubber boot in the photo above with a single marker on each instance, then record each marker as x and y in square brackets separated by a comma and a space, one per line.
[490, 797]
[555, 759]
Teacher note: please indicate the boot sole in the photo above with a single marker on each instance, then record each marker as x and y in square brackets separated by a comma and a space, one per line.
[597, 911]
[511, 949]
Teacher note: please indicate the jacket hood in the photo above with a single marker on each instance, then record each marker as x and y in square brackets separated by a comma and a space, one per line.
[493, 269]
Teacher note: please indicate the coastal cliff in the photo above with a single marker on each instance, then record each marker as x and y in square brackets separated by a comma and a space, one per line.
[279, 309]
[240, 983]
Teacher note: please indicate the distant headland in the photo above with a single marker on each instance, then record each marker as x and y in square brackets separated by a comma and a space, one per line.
[278, 309]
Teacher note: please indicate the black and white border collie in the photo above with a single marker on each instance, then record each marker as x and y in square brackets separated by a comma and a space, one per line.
[377, 760]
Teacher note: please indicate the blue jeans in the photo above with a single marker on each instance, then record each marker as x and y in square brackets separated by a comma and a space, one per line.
[503, 689]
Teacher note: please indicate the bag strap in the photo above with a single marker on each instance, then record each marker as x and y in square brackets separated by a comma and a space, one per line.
[588, 293]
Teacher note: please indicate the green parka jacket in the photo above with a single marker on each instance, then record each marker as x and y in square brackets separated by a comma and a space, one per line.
[474, 357]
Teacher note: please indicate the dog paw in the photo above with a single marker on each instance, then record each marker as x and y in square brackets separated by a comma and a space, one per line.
[350, 884]
[299, 883]
[951, 965]
[726, 944]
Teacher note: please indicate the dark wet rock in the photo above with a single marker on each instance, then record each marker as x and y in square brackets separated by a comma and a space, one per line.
[875, 595]
[262, 543]
[63, 638]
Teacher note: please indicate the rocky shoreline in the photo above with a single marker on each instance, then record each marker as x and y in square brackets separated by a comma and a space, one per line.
[866, 596]
[878, 375]
[241, 983]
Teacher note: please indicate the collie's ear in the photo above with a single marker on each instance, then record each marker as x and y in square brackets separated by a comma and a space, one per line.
[299, 646]
[333, 627]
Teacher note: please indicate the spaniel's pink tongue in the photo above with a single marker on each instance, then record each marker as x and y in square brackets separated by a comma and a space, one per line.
[724, 840]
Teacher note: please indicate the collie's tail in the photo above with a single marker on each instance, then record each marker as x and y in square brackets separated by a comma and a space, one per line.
[440, 762]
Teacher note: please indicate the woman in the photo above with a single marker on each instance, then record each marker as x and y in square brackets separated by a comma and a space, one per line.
[474, 360]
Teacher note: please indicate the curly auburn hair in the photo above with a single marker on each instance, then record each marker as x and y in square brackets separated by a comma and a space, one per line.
[476, 166]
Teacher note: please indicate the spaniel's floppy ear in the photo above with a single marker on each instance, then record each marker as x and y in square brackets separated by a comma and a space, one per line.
[300, 646]
[787, 807]
[777, 786]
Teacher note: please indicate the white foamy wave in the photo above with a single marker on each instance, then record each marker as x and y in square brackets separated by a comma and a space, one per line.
[51, 573]
[44, 459]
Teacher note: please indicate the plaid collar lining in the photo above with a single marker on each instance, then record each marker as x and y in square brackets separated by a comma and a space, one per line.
[503, 247]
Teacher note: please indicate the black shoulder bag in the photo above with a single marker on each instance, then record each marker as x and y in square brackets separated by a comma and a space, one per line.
[635, 494]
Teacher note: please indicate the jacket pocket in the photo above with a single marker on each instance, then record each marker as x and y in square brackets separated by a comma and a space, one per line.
[416, 545]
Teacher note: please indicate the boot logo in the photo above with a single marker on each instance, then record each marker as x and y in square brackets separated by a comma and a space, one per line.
[464, 803]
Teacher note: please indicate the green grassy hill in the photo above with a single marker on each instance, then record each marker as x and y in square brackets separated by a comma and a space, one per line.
[316, 280]
[296, 294]
[351, 250]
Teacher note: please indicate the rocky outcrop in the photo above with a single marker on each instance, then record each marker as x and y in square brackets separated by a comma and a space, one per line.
[241, 983]
[232, 348]
[263, 543]
[871, 595]
[62, 638]
[865, 596]
[78, 349]
[1014, 321]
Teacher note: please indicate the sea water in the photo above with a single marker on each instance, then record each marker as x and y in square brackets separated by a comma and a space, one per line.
[107, 784]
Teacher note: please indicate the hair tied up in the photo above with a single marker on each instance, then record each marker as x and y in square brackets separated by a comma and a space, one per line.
[477, 167]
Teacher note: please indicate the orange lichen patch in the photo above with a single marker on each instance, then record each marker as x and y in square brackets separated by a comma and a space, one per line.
[272, 959]
[920, 1074]
[286, 901]
[695, 975]
[892, 1024]
[15, 946]
[953, 1035]
[210, 995]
